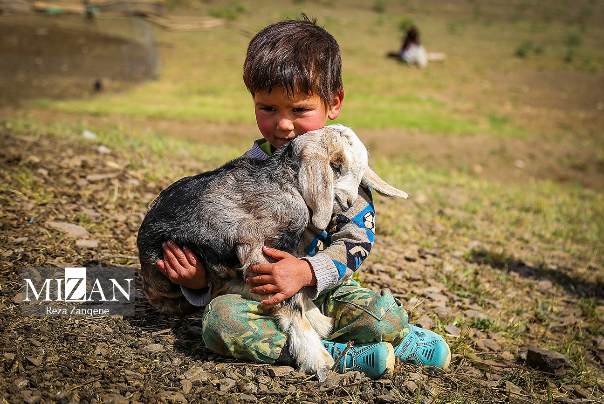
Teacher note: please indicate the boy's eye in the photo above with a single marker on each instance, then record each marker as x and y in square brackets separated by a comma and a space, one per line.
[300, 109]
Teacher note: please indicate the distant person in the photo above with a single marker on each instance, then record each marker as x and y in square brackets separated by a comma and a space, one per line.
[412, 52]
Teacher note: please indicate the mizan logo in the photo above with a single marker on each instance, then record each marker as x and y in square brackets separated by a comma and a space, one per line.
[75, 287]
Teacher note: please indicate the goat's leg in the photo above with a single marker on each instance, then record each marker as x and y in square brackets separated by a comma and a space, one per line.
[305, 344]
[322, 324]
[304, 341]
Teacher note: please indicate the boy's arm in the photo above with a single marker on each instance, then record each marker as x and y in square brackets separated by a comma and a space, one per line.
[338, 252]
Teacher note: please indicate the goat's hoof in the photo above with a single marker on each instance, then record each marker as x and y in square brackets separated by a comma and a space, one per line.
[311, 365]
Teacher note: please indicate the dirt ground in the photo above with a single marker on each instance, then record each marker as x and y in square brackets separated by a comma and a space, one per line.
[46, 57]
[151, 358]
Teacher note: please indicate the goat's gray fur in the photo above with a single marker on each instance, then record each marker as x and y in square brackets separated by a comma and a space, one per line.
[225, 216]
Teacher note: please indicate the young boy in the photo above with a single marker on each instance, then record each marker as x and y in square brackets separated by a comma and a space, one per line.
[293, 71]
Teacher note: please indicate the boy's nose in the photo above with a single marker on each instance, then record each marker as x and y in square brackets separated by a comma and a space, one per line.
[285, 124]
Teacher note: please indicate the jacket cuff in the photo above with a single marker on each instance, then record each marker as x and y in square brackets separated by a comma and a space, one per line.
[197, 297]
[326, 273]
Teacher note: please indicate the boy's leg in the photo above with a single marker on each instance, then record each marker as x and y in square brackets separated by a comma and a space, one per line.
[234, 326]
[364, 315]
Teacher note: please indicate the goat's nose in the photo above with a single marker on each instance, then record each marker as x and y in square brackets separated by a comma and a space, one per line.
[349, 202]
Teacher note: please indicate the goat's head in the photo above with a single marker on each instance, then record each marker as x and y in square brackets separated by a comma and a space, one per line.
[334, 163]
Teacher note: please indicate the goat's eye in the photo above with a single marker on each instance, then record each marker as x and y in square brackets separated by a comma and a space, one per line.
[336, 168]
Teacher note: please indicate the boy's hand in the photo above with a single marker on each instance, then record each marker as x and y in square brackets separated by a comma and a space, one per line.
[182, 267]
[284, 278]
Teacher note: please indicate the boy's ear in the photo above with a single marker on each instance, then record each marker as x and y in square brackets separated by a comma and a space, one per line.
[336, 105]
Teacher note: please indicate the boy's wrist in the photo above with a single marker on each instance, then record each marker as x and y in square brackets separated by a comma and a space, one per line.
[313, 277]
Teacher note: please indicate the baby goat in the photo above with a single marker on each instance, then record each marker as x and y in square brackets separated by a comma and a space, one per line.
[225, 216]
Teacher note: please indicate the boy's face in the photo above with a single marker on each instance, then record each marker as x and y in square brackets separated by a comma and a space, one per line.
[280, 119]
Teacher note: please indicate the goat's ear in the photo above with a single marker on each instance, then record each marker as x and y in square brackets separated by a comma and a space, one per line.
[372, 180]
[316, 183]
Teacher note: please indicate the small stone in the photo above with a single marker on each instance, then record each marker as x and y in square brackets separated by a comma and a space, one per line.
[411, 386]
[492, 345]
[130, 375]
[544, 286]
[577, 391]
[91, 212]
[226, 384]
[416, 377]
[100, 349]
[453, 329]
[186, 386]
[103, 149]
[89, 135]
[34, 361]
[547, 361]
[425, 322]
[31, 396]
[87, 243]
[248, 388]
[512, 388]
[387, 398]
[173, 397]
[507, 356]
[476, 314]
[114, 398]
[195, 374]
[153, 348]
[100, 177]
[279, 371]
[438, 297]
[443, 312]
[74, 230]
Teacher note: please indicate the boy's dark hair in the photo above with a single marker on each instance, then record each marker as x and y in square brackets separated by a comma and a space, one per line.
[297, 55]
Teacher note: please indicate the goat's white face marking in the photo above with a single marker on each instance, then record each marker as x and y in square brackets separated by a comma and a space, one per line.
[355, 160]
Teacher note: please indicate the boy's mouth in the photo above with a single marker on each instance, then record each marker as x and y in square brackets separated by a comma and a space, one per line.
[285, 139]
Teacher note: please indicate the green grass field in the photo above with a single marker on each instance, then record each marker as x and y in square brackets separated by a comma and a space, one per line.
[201, 70]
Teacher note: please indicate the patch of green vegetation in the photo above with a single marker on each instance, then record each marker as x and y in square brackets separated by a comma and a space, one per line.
[405, 24]
[524, 48]
[231, 12]
[456, 27]
[379, 6]
[485, 324]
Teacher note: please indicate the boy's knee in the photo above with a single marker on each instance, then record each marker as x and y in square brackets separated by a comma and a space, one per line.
[237, 327]
[221, 308]
[390, 328]
[222, 320]
[382, 318]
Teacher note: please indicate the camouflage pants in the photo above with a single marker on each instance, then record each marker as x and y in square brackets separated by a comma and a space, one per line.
[237, 327]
